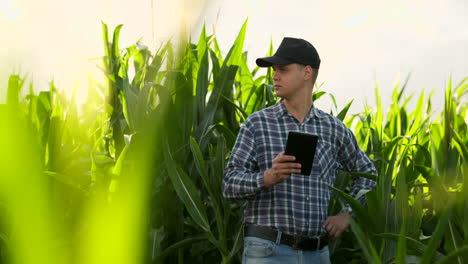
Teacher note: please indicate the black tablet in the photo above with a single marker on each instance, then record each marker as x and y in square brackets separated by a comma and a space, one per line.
[302, 146]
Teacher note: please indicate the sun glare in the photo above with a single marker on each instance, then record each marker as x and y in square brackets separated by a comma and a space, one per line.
[8, 11]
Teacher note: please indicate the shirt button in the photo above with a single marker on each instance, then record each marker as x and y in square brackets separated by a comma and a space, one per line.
[307, 198]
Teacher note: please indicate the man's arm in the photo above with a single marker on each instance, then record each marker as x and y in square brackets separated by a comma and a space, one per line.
[243, 178]
[353, 159]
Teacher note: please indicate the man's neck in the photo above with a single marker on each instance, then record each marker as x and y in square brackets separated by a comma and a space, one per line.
[299, 107]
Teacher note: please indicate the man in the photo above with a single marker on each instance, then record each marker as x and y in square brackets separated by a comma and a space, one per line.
[286, 213]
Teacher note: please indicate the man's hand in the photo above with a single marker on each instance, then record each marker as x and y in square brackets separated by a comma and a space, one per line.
[335, 225]
[283, 167]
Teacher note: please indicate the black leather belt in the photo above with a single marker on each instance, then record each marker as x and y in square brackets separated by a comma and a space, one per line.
[296, 242]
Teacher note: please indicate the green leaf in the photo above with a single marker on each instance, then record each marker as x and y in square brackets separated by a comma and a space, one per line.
[365, 175]
[202, 45]
[117, 170]
[342, 181]
[237, 242]
[215, 62]
[317, 95]
[186, 191]
[402, 214]
[378, 122]
[115, 42]
[375, 205]
[235, 53]
[369, 251]
[234, 105]
[67, 180]
[105, 37]
[454, 239]
[333, 100]
[14, 87]
[128, 99]
[181, 244]
[436, 237]
[200, 163]
[427, 172]
[344, 111]
[417, 115]
[202, 84]
[358, 209]
[412, 244]
[223, 85]
[454, 256]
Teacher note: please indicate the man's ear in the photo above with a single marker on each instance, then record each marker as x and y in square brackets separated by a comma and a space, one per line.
[308, 72]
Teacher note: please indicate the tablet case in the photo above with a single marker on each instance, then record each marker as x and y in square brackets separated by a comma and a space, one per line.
[302, 146]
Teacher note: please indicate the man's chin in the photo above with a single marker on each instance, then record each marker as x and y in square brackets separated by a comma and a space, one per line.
[279, 94]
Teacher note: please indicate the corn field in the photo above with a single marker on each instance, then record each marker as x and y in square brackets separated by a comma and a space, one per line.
[135, 174]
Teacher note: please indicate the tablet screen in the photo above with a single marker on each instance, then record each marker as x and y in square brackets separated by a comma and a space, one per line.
[302, 146]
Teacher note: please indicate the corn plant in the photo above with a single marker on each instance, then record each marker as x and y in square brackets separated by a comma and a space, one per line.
[415, 214]
[135, 175]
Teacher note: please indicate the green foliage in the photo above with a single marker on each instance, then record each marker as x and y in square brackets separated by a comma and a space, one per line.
[417, 212]
[146, 155]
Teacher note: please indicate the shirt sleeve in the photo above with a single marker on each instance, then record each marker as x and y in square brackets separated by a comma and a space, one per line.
[242, 176]
[353, 159]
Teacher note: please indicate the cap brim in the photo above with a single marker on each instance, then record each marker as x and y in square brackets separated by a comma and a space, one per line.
[270, 61]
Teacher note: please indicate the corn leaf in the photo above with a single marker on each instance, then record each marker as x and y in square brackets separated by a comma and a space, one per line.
[412, 244]
[202, 85]
[358, 209]
[436, 237]
[369, 251]
[344, 111]
[234, 55]
[186, 191]
[14, 87]
[454, 256]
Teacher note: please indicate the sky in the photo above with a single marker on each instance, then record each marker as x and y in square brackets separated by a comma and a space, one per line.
[361, 43]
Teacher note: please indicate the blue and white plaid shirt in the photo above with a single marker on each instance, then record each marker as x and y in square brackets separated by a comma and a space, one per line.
[298, 205]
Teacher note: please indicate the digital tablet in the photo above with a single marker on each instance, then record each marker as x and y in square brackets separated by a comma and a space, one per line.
[302, 146]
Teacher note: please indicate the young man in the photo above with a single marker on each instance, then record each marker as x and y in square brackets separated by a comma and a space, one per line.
[286, 213]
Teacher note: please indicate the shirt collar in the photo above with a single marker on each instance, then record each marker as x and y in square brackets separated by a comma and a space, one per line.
[281, 110]
[316, 112]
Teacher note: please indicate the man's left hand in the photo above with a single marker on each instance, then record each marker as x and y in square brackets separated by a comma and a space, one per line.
[336, 225]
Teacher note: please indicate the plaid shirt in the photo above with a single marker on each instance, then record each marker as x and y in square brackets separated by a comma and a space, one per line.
[298, 205]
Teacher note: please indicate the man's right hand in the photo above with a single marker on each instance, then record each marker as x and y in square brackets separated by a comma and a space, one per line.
[283, 167]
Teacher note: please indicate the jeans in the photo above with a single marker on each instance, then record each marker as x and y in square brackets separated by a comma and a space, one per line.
[258, 251]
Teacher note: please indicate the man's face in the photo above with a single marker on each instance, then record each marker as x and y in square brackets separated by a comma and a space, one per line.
[288, 79]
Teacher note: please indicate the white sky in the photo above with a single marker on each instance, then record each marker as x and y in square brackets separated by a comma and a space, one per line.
[360, 42]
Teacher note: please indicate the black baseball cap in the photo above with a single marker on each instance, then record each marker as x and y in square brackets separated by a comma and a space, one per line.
[292, 50]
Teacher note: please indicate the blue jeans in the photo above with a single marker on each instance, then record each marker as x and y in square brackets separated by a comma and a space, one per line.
[258, 251]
